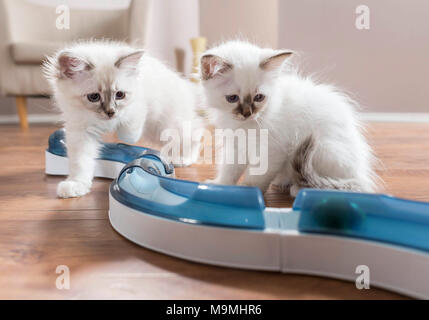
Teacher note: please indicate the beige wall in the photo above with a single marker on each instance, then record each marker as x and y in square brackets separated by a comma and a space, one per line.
[386, 67]
[171, 26]
[256, 20]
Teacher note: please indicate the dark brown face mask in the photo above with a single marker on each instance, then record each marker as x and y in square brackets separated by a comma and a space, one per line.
[106, 104]
[248, 107]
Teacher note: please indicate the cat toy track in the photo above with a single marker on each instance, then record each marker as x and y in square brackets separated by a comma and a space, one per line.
[325, 233]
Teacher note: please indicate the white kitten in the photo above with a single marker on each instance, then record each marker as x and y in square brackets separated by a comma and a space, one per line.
[107, 86]
[314, 139]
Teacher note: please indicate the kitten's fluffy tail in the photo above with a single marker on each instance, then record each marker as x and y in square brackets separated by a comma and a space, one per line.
[307, 177]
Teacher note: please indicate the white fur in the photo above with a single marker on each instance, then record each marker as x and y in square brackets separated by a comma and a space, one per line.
[295, 108]
[156, 98]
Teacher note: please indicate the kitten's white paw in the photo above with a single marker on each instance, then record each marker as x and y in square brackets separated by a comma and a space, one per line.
[129, 137]
[185, 161]
[129, 134]
[212, 181]
[182, 162]
[294, 190]
[71, 189]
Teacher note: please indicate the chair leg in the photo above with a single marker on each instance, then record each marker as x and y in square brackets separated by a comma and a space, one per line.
[21, 105]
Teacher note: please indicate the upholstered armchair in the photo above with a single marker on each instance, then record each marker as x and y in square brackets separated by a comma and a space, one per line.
[28, 32]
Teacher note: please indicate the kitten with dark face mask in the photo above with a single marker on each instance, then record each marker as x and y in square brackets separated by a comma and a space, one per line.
[314, 135]
[106, 86]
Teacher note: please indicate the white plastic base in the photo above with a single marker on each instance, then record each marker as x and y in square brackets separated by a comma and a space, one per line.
[219, 246]
[57, 165]
[391, 267]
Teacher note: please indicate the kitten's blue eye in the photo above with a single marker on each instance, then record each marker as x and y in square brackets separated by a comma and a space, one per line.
[93, 97]
[259, 97]
[119, 95]
[232, 98]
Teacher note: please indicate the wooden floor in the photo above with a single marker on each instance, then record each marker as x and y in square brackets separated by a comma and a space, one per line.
[38, 232]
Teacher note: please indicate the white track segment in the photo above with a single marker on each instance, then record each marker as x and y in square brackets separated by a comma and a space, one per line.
[57, 165]
[273, 249]
[391, 267]
[213, 245]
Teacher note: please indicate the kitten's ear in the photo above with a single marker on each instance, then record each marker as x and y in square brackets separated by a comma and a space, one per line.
[129, 61]
[72, 66]
[275, 61]
[212, 65]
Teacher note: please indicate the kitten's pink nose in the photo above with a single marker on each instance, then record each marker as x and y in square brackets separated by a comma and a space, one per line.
[247, 113]
[110, 113]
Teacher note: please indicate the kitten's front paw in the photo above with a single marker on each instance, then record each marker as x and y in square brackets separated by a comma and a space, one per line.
[294, 190]
[129, 134]
[130, 138]
[211, 181]
[72, 189]
[182, 162]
